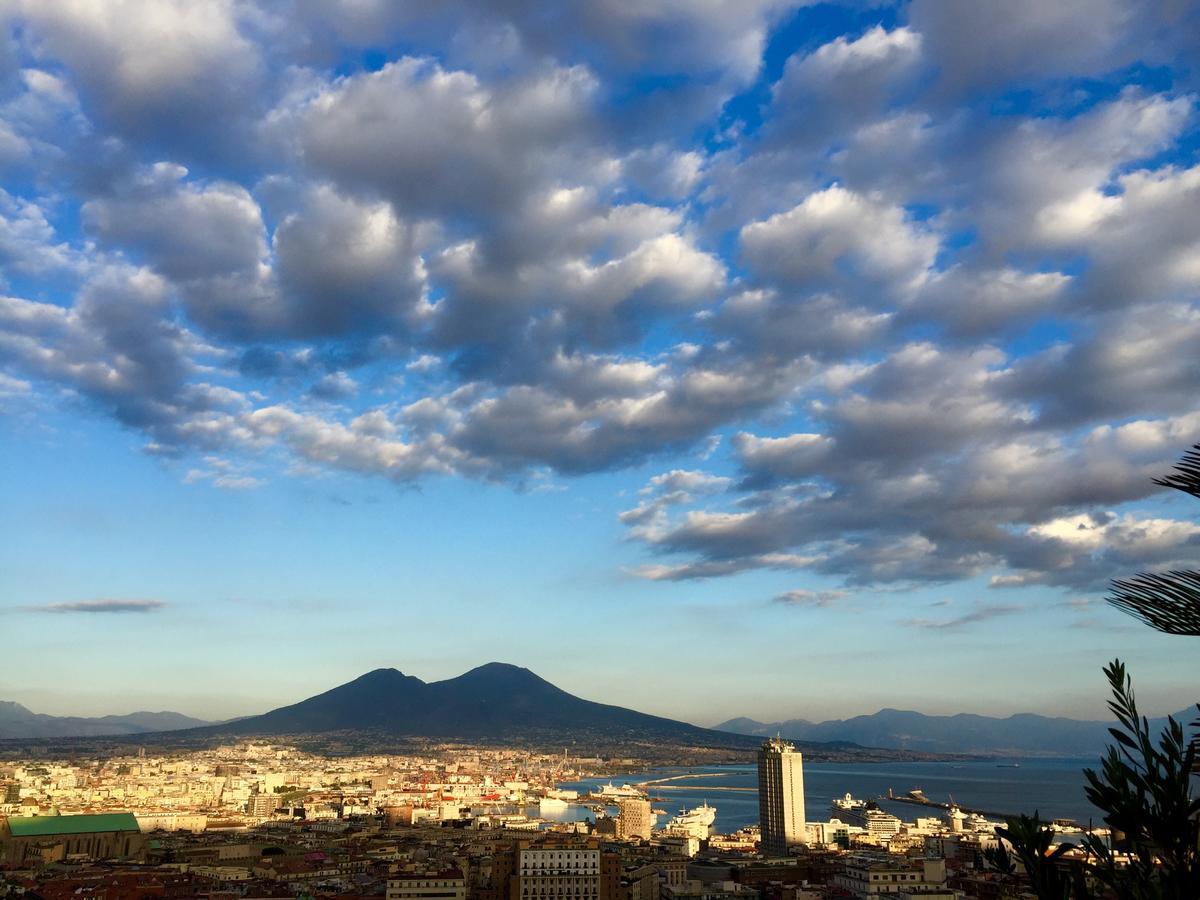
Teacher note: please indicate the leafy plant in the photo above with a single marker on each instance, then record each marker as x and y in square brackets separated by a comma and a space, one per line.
[1050, 876]
[1145, 791]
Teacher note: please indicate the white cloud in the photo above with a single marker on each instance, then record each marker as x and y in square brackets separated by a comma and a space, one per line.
[807, 246]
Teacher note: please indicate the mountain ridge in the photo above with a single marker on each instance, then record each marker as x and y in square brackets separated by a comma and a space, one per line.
[492, 701]
[1015, 735]
[18, 721]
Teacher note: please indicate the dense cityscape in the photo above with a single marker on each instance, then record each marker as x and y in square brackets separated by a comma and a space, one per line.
[262, 819]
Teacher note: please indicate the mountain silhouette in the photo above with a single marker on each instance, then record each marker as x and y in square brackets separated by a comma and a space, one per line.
[16, 721]
[491, 702]
[1017, 735]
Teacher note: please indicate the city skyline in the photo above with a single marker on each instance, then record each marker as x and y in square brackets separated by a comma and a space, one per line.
[711, 360]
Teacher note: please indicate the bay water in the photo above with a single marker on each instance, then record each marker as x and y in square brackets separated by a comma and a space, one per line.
[1052, 787]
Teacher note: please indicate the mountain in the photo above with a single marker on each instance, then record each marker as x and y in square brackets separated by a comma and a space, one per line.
[496, 701]
[16, 721]
[1019, 735]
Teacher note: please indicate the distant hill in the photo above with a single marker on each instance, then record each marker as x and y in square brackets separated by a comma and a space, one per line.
[494, 701]
[1019, 735]
[16, 721]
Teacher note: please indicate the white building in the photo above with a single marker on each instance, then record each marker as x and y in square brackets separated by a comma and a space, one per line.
[780, 797]
[172, 821]
[875, 875]
[549, 872]
[880, 823]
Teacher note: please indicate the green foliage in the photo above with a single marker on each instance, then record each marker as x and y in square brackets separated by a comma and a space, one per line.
[1145, 792]
[999, 859]
[1050, 876]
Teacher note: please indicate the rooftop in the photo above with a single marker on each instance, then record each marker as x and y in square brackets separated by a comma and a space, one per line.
[42, 826]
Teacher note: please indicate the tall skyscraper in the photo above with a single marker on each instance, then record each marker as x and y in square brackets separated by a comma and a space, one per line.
[780, 797]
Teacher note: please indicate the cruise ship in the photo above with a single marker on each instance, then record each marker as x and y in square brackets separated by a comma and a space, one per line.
[696, 822]
[625, 790]
[700, 815]
[849, 809]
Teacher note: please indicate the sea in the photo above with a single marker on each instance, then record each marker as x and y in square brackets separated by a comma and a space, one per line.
[1051, 787]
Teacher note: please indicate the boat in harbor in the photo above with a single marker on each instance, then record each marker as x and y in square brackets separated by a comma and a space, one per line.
[861, 813]
[847, 808]
[696, 822]
[624, 791]
[700, 815]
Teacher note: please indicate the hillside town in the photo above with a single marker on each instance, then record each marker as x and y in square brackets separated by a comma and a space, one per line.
[263, 820]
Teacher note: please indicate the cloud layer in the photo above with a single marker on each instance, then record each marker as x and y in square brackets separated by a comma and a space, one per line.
[102, 607]
[939, 316]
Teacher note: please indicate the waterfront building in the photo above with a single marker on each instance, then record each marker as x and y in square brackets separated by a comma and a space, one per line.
[881, 824]
[780, 797]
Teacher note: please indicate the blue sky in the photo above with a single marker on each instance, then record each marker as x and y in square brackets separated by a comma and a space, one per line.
[711, 359]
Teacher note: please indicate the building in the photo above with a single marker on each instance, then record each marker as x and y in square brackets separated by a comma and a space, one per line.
[870, 875]
[881, 824]
[556, 872]
[833, 833]
[780, 797]
[172, 821]
[262, 805]
[635, 819]
[53, 838]
[554, 868]
[448, 884]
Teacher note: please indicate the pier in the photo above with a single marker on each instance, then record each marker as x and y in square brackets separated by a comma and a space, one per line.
[933, 804]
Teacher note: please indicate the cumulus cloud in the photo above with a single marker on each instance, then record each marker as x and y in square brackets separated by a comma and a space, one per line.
[994, 43]
[812, 246]
[843, 83]
[479, 146]
[185, 230]
[932, 468]
[937, 284]
[174, 74]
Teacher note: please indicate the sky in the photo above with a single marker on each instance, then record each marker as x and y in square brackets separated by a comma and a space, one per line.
[717, 358]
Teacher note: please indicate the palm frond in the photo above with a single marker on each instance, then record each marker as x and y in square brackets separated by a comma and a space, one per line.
[1186, 477]
[1168, 601]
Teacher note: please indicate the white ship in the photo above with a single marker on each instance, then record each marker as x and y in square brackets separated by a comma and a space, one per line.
[850, 809]
[696, 822]
[700, 815]
[625, 790]
[552, 805]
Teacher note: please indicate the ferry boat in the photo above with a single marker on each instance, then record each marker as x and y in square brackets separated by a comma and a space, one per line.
[625, 790]
[848, 809]
[700, 815]
[696, 822]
